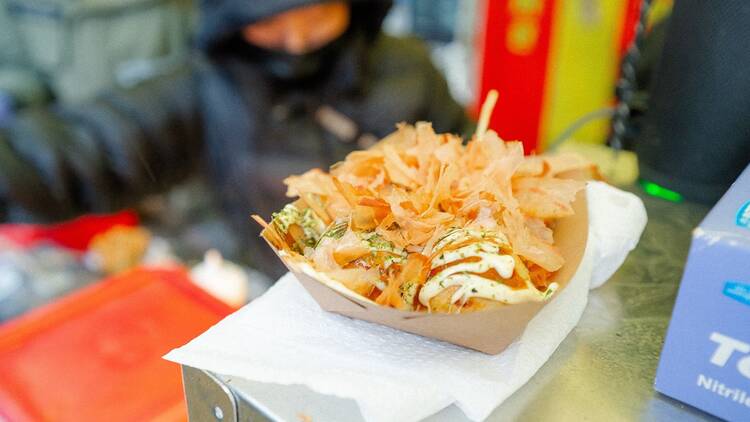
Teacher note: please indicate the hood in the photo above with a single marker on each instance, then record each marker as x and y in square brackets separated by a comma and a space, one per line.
[221, 19]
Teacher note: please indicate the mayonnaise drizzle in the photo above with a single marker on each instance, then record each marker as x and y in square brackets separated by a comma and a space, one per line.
[466, 274]
[480, 249]
[503, 264]
[463, 234]
[472, 285]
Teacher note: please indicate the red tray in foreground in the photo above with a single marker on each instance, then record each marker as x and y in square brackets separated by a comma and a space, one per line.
[96, 354]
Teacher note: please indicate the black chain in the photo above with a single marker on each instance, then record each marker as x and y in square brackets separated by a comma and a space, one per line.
[626, 85]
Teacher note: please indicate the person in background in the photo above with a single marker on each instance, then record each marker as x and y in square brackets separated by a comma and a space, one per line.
[276, 87]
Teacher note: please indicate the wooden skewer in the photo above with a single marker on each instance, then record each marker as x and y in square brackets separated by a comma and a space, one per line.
[486, 113]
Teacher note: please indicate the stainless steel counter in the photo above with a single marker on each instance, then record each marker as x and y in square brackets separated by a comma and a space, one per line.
[604, 370]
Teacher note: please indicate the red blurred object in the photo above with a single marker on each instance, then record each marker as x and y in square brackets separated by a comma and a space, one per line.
[522, 51]
[74, 234]
[96, 354]
[517, 70]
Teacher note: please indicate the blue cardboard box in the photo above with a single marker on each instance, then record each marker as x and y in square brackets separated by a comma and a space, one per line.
[706, 357]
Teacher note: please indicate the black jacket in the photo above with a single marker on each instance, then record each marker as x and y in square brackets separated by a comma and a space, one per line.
[225, 115]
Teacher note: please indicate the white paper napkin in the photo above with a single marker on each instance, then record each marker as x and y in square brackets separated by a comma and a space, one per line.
[285, 338]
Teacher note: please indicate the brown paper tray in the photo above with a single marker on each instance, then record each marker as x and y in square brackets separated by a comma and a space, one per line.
[489, 331]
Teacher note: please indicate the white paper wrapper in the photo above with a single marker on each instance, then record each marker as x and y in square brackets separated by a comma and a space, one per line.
[284, 337]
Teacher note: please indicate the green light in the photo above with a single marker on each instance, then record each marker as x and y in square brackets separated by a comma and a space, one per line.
[653, 189]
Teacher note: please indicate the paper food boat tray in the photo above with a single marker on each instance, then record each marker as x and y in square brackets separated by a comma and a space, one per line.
[489, 331]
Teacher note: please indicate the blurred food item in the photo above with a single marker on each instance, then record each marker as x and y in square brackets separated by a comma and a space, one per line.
[223, 279]
[118, 249]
